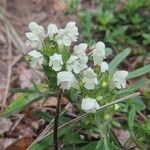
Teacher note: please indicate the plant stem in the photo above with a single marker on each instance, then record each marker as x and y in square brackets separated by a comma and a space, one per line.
[60, 95]
[87, 114]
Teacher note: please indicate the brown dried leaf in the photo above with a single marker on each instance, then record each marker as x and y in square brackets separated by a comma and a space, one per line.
[52, 102]
[5, 142]
[21, 144]
[24, 76]
[59, 5]
[5, 125]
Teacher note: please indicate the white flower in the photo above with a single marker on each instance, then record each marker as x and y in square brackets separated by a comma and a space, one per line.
[37, 29]
[73, 64]
[56, 62]
[119, 79]
[33, 40]
[66, 80]
[36, 36]
[99, 53]
[52, 29]
[37, 58]
[104, 66]
[79, 50]
[90, 105]
[90, 79]
[68, 35]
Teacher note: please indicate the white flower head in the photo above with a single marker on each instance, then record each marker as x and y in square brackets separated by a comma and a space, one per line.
[36, 36]
[51, 30]
[99, 53]
[79, 50]
[33, 40]
[37, 58]
[56, 62]
[119, 79]
[89, 105]
[66, 80]
[37, 29]
[68, 35]
[89, 79]
[104, 66]
[73, 64]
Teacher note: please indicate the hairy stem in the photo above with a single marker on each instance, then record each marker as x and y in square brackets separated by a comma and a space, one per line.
[60, 95]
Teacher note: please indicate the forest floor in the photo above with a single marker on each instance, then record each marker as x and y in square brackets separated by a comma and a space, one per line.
[14, 72]
[19, 131]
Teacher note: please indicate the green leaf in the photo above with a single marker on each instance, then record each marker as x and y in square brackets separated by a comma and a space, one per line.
[44, 144]
[19, 90]
[139, 72]
[100, 144]
[131, 117]
[90, 146]
[21, 102]
[137, 103]
[44, 115]
[116, 124]
[139, 84]
[108, 51]
[118, 59]
[71, 137]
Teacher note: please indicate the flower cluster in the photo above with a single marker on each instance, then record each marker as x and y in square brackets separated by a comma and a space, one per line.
[79, 70]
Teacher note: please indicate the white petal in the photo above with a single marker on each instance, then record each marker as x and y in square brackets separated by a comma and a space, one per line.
[32, 37]
[97, 106]
[66, 80]
[35, 54]
[37, 58]
[100, 45]
[56, 66]
[67, 41]
[37, 29]
[120, 75]
[73, 64]
[52, 29]
[68, 35]
[56, 62]
[104, 66]
[70, 24]
[89, 85]
[87, 104]
[119, 79]
[99, 53]
[80, 49]
[33, 63]
[89, 79]
[90, 105]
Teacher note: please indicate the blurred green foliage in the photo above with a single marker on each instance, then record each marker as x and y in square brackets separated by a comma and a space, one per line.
[120, 24]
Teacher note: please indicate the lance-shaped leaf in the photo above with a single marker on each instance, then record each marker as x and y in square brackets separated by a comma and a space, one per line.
[117, 60]
[139, 72]
[134, 87]
[23, 101]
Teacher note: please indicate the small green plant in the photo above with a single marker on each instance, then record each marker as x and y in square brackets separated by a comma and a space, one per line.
[79, 73]
[120, 24]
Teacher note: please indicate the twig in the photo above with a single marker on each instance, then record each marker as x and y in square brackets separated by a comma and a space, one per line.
[17, 122]
[47, 129]
[87, 114]
[60, 95]
[115, 139]
[9, 69]
[142, 116]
